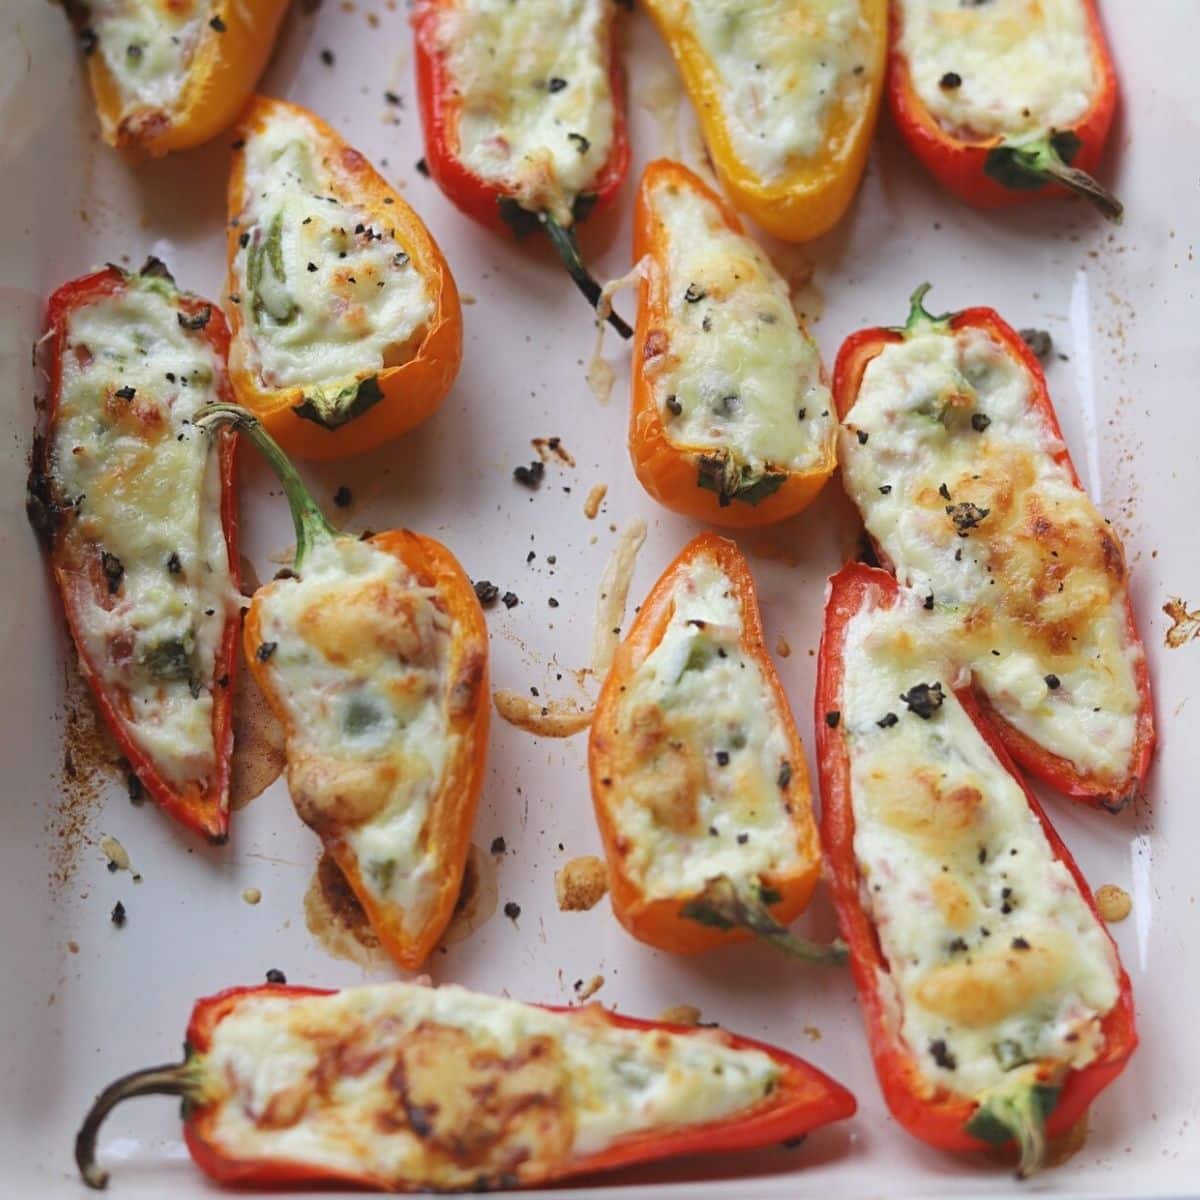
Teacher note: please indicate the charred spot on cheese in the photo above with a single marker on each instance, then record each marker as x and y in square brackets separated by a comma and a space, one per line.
[924, 699]
[994, 959]
[697, 787]
[1002, 68]
[1027, 571]
[730, 381]
[124, 485]
[330, 297]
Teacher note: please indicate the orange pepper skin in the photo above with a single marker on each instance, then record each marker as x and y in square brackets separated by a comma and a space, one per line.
[958, 163]
[452, 810]
[659, 922]
[668, 471]
[412, 391]
[225, 67]
[812, 199]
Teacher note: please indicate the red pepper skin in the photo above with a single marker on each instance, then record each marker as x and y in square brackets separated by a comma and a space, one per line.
[478, 198]
[805, 1099]
[958, 164]
[1060, 774]
[207, 813]
[933, 1114]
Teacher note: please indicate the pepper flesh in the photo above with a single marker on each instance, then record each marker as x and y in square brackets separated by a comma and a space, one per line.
[224, 68]
[403, 395]
[668, 471]
[452, 808]
[804, 1099]
[488, 203]
[813, 197]
[681, 923]
[993, 172]
[204, 810]
[1059, 773]
[933, 1114]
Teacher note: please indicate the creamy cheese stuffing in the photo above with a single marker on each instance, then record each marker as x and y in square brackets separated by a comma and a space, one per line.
[361, 652]
[379, 1080]
[147, 46]
[957, 481]
[146, 488]
[1000, 68]
[532, 79]
[734, 371]
[995, 960]
[784, 69]
[703, 750]
[328, 293]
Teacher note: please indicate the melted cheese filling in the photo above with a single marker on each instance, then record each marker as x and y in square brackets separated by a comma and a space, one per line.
[361, 652]
[1000, 68]
[442, 1087]
[328, 293]
[148, 46]
[703, 748]
[784, 70]
[734, 371]
[537, 112]
[1038, 583]
[995, 960]
[146, 488]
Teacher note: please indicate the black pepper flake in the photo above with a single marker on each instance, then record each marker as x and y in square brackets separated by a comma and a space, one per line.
[327, 57]
[88, 41]
[265, 650]
[673, 405]
[832, 719]
[743, 838]
[694, 293]
[114, 571]
[982, 856]
[581, 143]
[498, 846]
[980, 421]
[957, 946]
[530, 476]
[940, 1053]
[1019, 943]
[885, 489]
[173, 564]
[223, 681]
[888, 720]
[555, 83]
[422, 168]
[712, 831]
[134, 51]
[196, 320]
[722, 758]
[393, 98]
[243, 240]
[862, 436]
[343, 497]
[801, 413]
[950, 81]
[400, 259]
[552, 602]
[1053, 682]
[509, 600]
[924, 699]
[486, 592]
[217, 24]
[312, 266]
[512, 910]
[125, 393]
[943, 491]
[928, 602]
[965, 516]
[785, 775]
[117, 916]
[275, 975]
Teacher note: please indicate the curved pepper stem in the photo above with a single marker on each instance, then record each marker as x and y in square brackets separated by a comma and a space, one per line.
[1017, 1113]
[170, 1079]
[1029, 164]
[721, 905]
[919, 318]
[311, 525]
[563, 241]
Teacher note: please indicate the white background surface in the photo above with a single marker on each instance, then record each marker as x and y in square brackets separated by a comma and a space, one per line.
[1120, 303]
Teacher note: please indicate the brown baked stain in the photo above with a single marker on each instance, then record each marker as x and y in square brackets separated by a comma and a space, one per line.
[478, 897]
[258, 754]
[580, 884]
[1185, 624]
[1113, 903]
[335, 918]
[552, 448]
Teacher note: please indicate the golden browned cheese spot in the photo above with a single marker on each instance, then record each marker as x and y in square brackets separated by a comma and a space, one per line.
[366, 624]
[995, 984]
[954, 901]
[478, 1113]
[915, 801]
[662, 770]
[331, 794]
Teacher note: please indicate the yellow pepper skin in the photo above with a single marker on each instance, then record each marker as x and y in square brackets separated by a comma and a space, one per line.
[232, 52]
[812, 199]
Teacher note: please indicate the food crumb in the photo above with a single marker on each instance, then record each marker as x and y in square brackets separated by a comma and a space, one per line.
[680, 1014]
[782, 647]
[1113, 902]
[467, 298]
[580, 884]
[251, 895]
[117, 916]
[499, 846]
[585, 991]
[275, 975]
[591, 506]
[73, 946]
[1185, 625]
[343, 497]
[812, 1033]
[512, 910]
[118, 857]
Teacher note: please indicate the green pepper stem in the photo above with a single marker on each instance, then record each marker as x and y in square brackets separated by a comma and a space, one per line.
[1017, 1112]
[311, 526]
[1083, 184]
[919, 318]
[170, 1079]
[1030, 163]
[720, 904]
[563, 241]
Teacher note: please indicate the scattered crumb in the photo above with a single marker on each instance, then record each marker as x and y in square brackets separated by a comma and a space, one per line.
[812, 1033]
[614, 594]
[542, 718]
[680, 1014]
[499, 846]
[251, 895]
[118, 857]
[1185, 625]
[591, 506]
[580, 884]
[552, 447]
[117, 916]
[467, 298]
[512, 910]
[585, 991]
[782, 647]
[73, 946]
[1113, 902]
